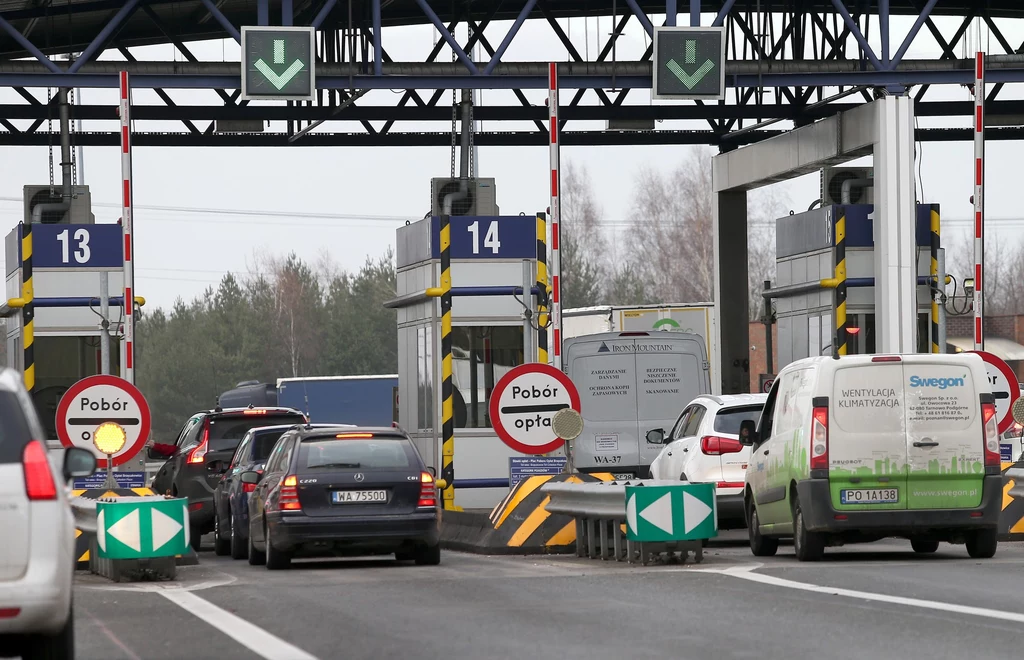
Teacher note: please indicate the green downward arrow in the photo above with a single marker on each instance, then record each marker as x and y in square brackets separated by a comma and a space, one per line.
[278, 81]
[690, 79]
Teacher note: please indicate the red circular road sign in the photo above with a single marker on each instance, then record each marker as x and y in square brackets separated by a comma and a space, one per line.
[98, 399]
[523, 403]
[1005, 387]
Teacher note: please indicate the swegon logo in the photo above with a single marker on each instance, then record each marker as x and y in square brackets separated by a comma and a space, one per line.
[941, 383]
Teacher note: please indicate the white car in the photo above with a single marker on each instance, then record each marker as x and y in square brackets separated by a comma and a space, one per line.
[704, 447]
[37, 555]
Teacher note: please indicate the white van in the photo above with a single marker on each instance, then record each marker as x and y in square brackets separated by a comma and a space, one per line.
[630, 382]
[865, 447]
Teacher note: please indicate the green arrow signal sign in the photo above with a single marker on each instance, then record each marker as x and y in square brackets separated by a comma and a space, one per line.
[142, 527]
[278, 63]
[689, 63]
[671, 513]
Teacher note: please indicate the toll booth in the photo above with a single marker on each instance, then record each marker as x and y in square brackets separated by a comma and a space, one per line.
[72, 266]
[494, 328]
[812, 249]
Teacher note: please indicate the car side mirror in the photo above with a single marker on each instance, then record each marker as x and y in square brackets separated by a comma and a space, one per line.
[158, 452]
[433, 472]
[656, 437]
[251, 477]
[748, 432]
[78, 463]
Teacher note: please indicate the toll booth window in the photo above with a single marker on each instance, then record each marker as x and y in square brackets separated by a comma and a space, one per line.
[60, 363]
[425, 377]
[481, 355]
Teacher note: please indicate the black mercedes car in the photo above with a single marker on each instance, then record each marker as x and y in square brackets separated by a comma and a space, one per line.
[343, 491]
[208, 437]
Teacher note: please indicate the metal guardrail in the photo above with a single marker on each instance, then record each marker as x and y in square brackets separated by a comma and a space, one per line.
[1017, 474]
[84, 511]
[600, 513]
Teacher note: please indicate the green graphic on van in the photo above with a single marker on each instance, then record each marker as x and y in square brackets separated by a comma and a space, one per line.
[793, 461]
[671, 323]
[888, 467]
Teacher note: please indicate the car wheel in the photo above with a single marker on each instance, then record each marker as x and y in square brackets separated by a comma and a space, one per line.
[809, 546]
[256, 557]
[277, 560]
[924, 547]
[429, 555]
[760, 546]
[60, 646]
[982, 544]
[238, 549]
[221, 546]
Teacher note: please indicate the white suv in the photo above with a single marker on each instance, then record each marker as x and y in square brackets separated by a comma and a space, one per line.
[704, 447]
[37, 555]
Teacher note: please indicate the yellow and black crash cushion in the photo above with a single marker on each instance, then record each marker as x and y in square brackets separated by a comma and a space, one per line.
[1011, 520]
[520, 524]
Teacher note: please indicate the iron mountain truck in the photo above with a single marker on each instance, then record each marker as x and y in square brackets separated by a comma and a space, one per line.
[630, 382]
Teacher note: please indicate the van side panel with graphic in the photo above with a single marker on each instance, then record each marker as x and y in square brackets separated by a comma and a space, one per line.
[628, 383]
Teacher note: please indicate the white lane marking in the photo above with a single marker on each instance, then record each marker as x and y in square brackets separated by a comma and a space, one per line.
[248, 635]
[149, 587]
[747, 573]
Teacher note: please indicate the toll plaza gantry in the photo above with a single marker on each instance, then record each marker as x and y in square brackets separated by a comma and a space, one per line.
[821, 67]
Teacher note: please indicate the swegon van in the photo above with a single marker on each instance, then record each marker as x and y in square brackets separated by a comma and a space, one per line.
[630, 382]
[865, 447]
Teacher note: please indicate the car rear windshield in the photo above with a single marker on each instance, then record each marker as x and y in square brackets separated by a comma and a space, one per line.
[385, 453]
[14, 429]
[226, 431]
[729, 419]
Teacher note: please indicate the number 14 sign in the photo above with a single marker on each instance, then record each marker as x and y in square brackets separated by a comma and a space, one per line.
[495, 237]
[77, 246]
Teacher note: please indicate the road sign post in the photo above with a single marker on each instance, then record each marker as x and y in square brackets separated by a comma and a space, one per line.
[689, 63]
[142, 528]
[1005, 388]
[524, 402]
[103, 400]
[683, 512]
[278, 63]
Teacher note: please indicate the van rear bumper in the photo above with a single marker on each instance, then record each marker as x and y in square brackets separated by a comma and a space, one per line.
[820, 516]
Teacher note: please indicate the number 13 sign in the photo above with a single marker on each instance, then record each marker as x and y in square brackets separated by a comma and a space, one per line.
[497, 237]
[77, 246]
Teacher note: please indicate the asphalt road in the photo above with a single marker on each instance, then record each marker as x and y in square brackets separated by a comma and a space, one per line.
[730, 606]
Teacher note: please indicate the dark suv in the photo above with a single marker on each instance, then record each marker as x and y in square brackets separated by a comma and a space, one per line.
[208, 440]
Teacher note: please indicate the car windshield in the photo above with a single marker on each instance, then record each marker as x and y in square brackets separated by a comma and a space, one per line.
[728, 420]
[376, 453]
[227, 431]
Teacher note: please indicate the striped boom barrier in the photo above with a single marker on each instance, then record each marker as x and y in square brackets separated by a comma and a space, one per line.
[556, 218]
[447, 393]
[841, 331]
[935, 244]
[28, 312]
[979, 206]
[542, 288]
[124, 110]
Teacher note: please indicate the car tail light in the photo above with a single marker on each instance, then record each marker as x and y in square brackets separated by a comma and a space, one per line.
[288, 499]
[198, 455]
[819, 439]
[886, 358]
[988, 418]
[712, 445]
[9, 612]
[428, 496]
[39, 484]
[729, 484]
[250, 488]
[195, 506]
[255, 412]
[349, 436]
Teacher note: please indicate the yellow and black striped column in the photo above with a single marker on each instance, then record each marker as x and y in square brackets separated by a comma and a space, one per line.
[447, 394]
[28, 312]
[841, 333]
[939, 286]
[542, 289]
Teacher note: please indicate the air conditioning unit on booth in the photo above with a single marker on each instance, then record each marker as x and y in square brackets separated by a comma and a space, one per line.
[481, 199]
[832, 179]
[80, 212]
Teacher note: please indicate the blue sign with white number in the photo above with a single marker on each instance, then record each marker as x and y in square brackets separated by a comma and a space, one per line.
[521, 468]
[123, 479]
[77, 246]
[495, 237]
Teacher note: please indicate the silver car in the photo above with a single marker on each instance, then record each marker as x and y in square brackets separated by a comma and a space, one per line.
[37, 555]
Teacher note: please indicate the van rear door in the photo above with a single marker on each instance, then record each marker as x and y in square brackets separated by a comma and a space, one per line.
[945, 437]
[867, 439]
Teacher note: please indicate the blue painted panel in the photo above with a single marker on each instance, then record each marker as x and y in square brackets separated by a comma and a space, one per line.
[496, 237]
[77, 246]
[860, 230]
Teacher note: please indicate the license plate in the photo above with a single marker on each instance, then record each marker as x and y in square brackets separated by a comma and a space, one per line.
[623, 476]
[870, 496]
[360, 496]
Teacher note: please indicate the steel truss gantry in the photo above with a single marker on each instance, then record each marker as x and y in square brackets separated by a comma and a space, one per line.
[791, 60]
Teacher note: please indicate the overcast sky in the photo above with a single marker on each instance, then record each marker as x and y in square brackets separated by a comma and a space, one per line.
[350, 200]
